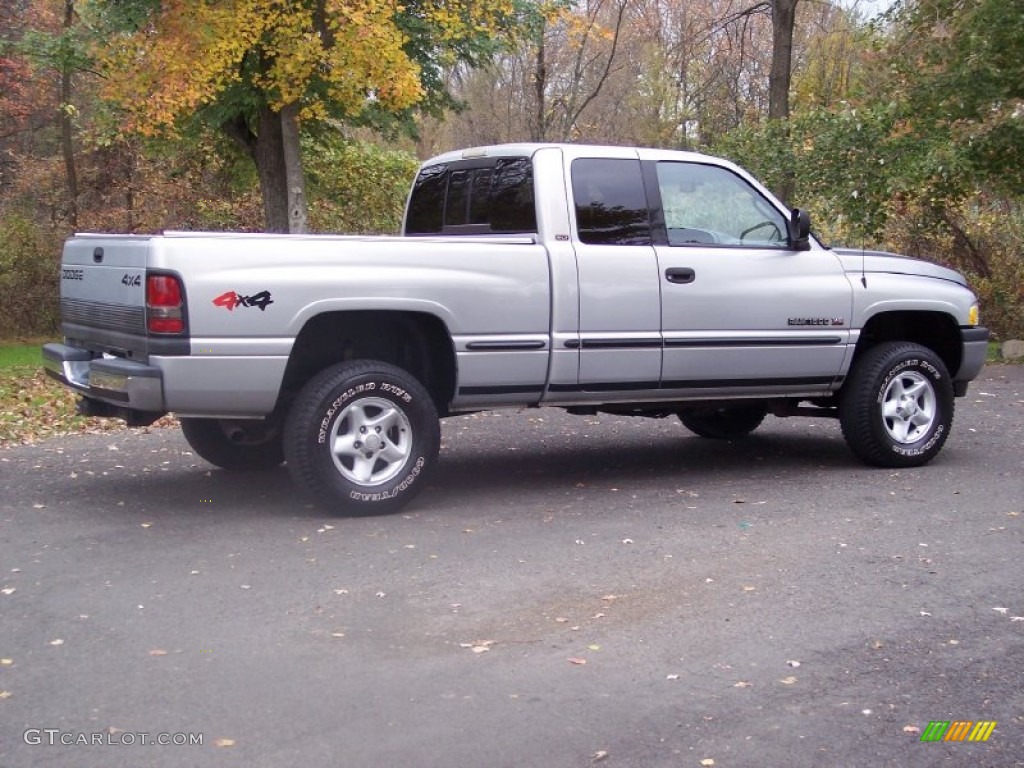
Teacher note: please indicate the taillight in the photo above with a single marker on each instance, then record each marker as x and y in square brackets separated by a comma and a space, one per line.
[164, 304]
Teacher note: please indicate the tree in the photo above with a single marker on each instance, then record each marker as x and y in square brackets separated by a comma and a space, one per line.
[256, 69]
[574, 49]
[46, 43]
[781, 75]
[959, 69]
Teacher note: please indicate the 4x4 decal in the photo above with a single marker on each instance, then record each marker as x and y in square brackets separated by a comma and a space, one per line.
[230, 300]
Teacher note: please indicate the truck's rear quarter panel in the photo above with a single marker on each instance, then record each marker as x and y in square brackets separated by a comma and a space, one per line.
[249, 297]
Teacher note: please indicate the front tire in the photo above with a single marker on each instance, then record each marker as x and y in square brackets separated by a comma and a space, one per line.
[239, 445]
[361, 437]
[896, 409]
[726, 423]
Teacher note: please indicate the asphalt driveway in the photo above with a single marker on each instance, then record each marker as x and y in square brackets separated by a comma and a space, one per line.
[569, 591]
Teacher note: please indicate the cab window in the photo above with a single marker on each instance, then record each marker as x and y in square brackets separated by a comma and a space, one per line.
[611, 205]
[709, 205]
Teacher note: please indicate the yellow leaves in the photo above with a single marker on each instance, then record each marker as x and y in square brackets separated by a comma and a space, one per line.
[353, 55]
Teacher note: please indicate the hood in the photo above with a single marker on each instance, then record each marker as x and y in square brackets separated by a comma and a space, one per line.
[855, 260]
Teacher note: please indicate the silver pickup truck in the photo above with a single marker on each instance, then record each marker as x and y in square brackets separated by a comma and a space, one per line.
[611, 279]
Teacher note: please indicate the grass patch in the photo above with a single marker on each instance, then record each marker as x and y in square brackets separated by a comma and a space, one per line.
[23, 354]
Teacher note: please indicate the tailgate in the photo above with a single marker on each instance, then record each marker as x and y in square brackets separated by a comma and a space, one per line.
[103, 293]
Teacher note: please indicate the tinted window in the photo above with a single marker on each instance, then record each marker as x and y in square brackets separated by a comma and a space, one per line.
[511, 203]
[711, 205]
[426, 203]
[480, 197]
[611, 206]
[458, 196]
[473, 197]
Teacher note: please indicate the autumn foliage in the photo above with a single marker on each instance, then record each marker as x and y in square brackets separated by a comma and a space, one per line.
[332, 57]
[906, 132]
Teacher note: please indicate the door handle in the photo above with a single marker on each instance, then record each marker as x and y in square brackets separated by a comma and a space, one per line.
[680, 275]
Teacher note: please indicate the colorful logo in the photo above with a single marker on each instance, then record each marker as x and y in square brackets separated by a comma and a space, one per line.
[958, 730]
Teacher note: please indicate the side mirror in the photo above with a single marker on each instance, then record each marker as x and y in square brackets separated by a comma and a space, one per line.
[799, 227]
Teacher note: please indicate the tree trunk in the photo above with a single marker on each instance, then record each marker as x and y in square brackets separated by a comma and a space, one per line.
[540, 84]
[783, 22]
[278, 165]
[67, 127]
[295, 181]
[268, 153]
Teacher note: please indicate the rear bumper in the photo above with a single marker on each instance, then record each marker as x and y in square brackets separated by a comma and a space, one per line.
[124, 384]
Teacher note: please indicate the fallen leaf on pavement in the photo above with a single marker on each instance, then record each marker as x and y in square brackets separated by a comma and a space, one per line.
[576, 660]
[480, 646]
[788, 680]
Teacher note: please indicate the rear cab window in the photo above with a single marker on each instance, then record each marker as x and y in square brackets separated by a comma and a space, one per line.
[473, 197]
[611, 203]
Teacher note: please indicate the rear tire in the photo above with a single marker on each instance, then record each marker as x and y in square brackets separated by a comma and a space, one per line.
[238, 445]
[896, 408]
[362, 437]
[727, 423]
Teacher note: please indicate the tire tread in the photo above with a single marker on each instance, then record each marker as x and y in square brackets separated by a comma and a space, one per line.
[300, 452]
[857, 407]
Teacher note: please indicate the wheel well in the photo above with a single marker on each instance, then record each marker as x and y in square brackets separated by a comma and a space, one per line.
[414, 341]
[935, 330]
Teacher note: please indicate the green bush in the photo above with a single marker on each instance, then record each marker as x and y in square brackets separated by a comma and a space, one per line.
[355, 187]
[29, 266]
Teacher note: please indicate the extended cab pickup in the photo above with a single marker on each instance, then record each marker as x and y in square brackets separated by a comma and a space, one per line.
[630, 281]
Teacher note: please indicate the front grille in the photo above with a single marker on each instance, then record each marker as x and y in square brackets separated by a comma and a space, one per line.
[101, 314]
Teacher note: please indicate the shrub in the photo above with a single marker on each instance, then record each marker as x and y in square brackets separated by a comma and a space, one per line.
[355, 187]
[29, 264]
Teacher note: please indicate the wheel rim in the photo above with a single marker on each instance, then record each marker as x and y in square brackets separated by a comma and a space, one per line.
[909, 407]
[370, 441]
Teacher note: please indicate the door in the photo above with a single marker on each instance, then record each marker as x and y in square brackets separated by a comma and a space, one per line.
[742, 311]
[620, 318]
